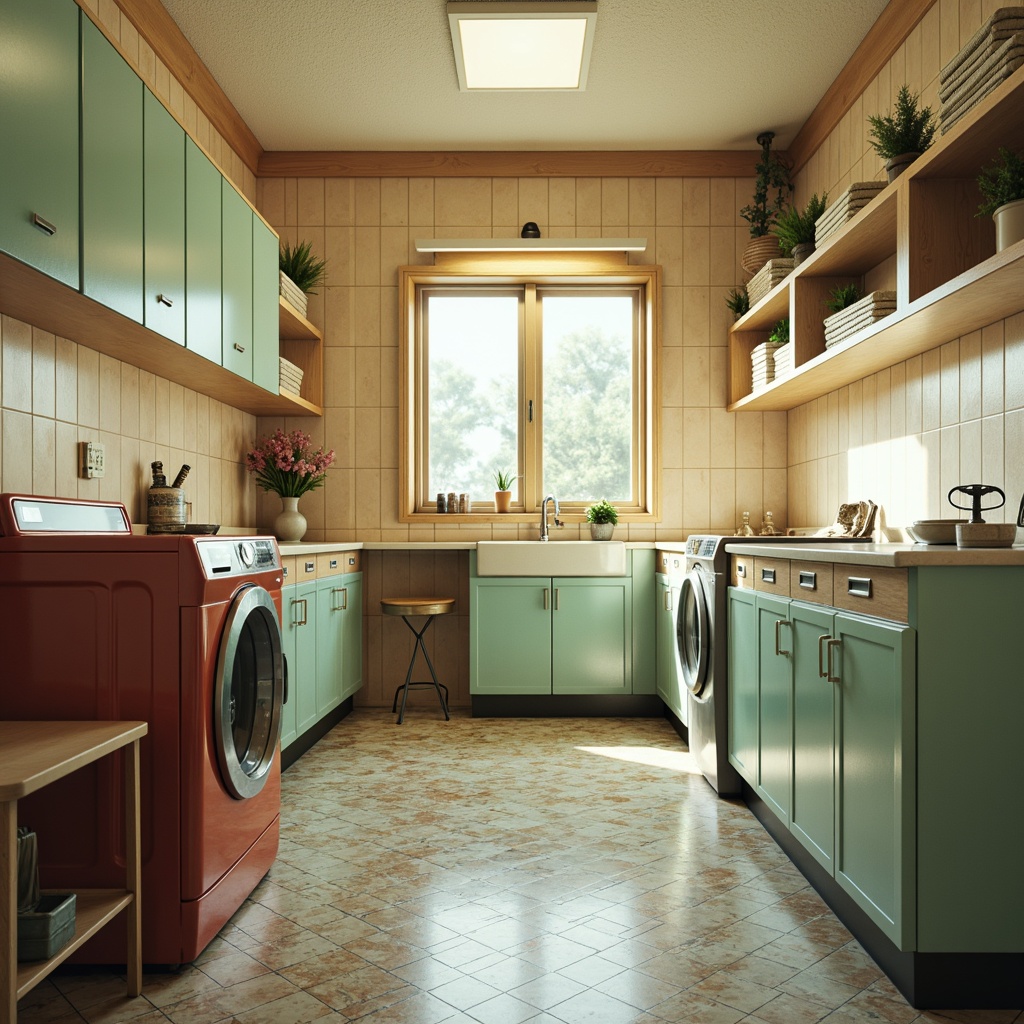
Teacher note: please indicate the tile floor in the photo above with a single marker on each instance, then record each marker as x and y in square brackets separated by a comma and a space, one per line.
[497, 872]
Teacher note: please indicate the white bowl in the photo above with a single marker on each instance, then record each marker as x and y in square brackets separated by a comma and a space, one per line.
[934, 531]
[985, 535]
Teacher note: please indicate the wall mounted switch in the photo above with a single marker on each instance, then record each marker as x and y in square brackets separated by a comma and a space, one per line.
[91, 460]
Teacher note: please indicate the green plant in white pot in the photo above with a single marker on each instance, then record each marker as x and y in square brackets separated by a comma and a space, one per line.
[602, 516]
[903, 134]
[1001, 185]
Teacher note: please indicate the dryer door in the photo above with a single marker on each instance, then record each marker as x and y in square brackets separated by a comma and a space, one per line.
[693, 633]
[248, 691]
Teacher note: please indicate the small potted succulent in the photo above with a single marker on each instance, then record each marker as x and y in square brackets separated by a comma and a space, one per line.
[503, 495]
[795, 228]
[602, 516]
[772, 189]
[900, 138]
[841, 296]
[738, 301]
[1002, 187]
[301, 272]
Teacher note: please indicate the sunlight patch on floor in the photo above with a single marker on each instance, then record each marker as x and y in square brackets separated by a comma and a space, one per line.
[656, 757]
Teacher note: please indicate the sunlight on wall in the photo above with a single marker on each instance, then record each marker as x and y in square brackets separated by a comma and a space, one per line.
[895, 473]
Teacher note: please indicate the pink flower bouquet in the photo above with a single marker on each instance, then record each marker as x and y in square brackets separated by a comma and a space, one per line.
[287, 464]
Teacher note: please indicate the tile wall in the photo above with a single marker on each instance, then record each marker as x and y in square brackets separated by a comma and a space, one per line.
[904, 436]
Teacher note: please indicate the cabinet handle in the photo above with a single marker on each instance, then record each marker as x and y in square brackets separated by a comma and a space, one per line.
[808, 580]
[344, 599]
[284, 662]
[309, 566]
[668, 600]
[333, 563]
[295, 603]
[767, 575]
[778, 623]
[832, 645]
[547, 598]
[239, 348]
[821, 667]
[335, 607]
[859, 586]
[44, 225]
[556, 599]
[741, 571]
[165, 300]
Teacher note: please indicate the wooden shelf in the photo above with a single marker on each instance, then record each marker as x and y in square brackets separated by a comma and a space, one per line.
[302, 344]
[919, 237]
[294, 326]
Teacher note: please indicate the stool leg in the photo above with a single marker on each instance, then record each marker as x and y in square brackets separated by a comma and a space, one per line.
[412, 663]
[433, 675]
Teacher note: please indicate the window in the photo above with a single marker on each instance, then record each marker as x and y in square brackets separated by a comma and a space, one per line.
[547, 377]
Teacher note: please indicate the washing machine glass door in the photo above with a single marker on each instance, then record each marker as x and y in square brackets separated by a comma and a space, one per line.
[693, 632]
[248, 692]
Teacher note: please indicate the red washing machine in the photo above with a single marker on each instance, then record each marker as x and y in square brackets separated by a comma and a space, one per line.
[184, 633]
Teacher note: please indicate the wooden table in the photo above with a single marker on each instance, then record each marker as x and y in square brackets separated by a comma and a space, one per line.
[32, 755]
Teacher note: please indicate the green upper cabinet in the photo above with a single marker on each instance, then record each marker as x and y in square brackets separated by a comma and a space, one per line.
[266, 369]
[39, 101]
[591, 635]
[164, 187]
[202, 254]
[112, 190]
[237, 281]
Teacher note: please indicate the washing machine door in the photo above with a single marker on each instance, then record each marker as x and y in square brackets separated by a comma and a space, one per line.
[248, 691]
[693, 632]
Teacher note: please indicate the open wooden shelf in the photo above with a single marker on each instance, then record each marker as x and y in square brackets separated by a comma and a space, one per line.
[919, 237]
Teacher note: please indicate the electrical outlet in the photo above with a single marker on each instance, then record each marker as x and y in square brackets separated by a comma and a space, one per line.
[91, 460]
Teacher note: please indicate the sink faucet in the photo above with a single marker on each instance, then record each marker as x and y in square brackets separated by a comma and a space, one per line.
[544, 516]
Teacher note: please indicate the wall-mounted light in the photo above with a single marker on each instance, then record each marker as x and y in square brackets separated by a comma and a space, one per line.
[540, 44]
[528, 244]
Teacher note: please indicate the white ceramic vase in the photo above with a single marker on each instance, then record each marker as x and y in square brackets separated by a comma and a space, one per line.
[601, 531]
[1009, 220]
[290, 524]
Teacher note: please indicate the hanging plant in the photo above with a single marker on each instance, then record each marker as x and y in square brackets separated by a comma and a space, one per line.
[772, 189]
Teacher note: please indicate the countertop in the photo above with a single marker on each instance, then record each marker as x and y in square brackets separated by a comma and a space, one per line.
[884, 554]
[442, 545]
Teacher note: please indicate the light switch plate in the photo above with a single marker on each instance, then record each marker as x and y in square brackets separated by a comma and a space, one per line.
[91, 460]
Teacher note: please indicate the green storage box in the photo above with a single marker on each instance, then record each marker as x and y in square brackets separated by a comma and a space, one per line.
[45, 931]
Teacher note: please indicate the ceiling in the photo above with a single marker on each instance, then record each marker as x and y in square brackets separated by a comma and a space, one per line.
[664, 75]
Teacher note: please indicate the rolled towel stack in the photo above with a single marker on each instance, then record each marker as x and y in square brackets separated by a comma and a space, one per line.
[767, 278]
[848, 205]
[855, 318]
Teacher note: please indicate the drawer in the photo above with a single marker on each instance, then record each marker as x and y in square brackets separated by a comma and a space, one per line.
[336, 563]
[871, 590]
[288, 569]
[742, 575]
[305, 568]
[771, 576]
[672, 563]
[811, 581]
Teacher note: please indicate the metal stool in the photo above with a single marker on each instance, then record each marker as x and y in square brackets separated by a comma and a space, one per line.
[417, 606]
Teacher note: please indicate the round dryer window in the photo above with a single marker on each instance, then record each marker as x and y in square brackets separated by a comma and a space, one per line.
[693, 633]
[248, 692]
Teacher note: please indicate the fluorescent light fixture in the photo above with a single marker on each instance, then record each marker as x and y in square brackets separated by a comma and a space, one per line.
[531, 244]
[541, 44]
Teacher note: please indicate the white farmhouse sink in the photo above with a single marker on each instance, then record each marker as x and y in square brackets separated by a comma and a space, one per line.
[551, 558]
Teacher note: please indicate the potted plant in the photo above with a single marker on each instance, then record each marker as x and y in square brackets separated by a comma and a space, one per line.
[772, 189]
[1002, 187]
[795, 228]
[301, 272]
[602, 516]
[738, 301]
[780, 332]
[503, 495]
[900, 138]
[841, 296]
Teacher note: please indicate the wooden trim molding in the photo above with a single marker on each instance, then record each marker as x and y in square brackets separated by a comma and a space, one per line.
[159, 29]
[883, 39]
[484, 164]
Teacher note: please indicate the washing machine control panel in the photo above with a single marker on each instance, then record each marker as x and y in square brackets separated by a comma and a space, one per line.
[236, 557]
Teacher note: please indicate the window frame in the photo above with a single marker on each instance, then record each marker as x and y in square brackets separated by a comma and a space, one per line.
[416, 281]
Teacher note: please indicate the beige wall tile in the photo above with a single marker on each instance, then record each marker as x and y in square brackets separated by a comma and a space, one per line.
[533, 202]
[367, 202]
[462, 202]
[17, 365]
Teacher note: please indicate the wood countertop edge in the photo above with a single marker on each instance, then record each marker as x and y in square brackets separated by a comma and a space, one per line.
[897, 555]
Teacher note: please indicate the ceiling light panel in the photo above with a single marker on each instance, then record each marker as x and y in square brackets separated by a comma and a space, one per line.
[504, 46]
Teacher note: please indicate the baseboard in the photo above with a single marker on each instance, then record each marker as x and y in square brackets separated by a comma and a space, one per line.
[567, 705]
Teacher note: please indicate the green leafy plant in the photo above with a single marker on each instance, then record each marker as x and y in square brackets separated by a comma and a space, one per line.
[772, 188]
[602, 512]
[738, 301]
[841, 296]
[504, 480]
[1002, 182]
[780, 332]
[796, 226]
[908, 130]
[302, 266]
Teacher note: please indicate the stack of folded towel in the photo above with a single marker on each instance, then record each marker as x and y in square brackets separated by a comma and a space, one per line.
[854, 199]
[767, 278]
[861, 314]
[762, 361]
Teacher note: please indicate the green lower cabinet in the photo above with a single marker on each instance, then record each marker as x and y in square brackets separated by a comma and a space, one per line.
[510, 636]
[330, 610]
[591, 625]
[743, 716]
[775, 705]
[298, 604]
[352, 635]
[669, 689]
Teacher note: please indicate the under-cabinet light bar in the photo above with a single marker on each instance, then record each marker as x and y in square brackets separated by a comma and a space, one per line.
[528, 244]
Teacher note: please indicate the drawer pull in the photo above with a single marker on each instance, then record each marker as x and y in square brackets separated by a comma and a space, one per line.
[859, 586]
[343, 607]
[284, 572]
[822, 673]
[556, 598]
[309, 566]
[165, 300]
[778, 624]
[547, 598]
[767, 575]
[668, 600]
[44, 225]
[808, 580]
[829, 668]
[295, 603]
[333, 563]
[239, 348]
[741, 571]
[352, 560]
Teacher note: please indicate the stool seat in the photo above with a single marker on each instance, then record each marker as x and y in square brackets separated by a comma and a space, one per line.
[410, 607]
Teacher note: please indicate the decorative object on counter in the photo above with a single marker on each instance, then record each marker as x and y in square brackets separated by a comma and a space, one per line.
[453, 503]
[738, 301]
[1001, 185]
[288, 465]
[934, 531]
[290, 376]
[976, 533]
[530, 230]
[856, 317]
[303, 271]
[602, 516]
[768, 526]
[990, 56]
[854, 519]
[182, 474]
[771, 274]
[745, 529]
[503, 495]
[442, 502]
[165, 506]
[772, 189]
[900, 137]
[795, 228]
[465, 505]
[847, 206]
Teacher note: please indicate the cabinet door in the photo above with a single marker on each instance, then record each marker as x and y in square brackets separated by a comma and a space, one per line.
[813, 734]
[288, 634]
[112, 207]
[266, 346]
[875, 853]
[39, 113]
[743, 714]
[330, 634]
[590, 633]
[510, 635]
[164, 179]
[775, 706]
[668, 675]
[298, 602]
[202, 254]
[352, 636]
[236, 280]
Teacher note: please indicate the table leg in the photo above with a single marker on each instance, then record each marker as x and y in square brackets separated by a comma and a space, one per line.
[133, 867]
[9, 912]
